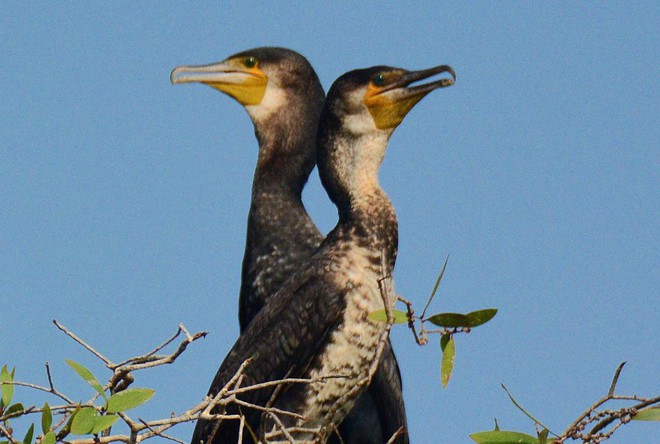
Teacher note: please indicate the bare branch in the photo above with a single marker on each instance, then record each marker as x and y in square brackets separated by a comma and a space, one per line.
[40, 388]
[83, 343]
[420, 339]
[607, 421]
[102, 440]
[282, 427]
[157, 360]
[162, 435]
[605, 418]
[396, 434]
[4, 432]
[50, 378]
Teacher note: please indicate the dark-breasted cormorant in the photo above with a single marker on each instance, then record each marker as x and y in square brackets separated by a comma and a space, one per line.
[316, 325]
[284, 98]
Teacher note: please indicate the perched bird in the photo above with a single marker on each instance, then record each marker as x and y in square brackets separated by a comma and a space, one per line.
[284, 98]
[316, 326]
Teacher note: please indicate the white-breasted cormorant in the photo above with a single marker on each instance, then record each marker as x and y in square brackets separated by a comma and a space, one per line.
[316, 325]
[284, 98]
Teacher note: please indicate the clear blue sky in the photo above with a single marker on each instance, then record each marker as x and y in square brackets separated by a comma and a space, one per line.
[124, 198]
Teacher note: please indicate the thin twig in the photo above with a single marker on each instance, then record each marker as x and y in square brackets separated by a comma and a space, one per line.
[262, 385]
[102, 440]
[607, 421]
[50, 378]
[149, 355]
[395, 435]
[267, 409]
[162, 435]
[419, 339]
[83, 343]
[52, 391]
[213, 401]
[282, 427]
[241, 427]
[157, 360]
[7, 435]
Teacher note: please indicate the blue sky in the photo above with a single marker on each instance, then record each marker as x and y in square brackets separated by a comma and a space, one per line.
[125, 198]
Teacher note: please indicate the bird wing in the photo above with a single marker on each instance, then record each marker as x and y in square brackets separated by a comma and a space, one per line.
[386, 388]
[280, 341]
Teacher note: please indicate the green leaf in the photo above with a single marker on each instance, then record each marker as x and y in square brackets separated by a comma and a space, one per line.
[400, 317]
[46, 418]
[49, 438]
[522, 409]
[649, 414]
[16, 408]
[103, 422]
[83, 421]
[480, 317]
[444, 339]
[503, 437]
[543, 436]
[64, 431]
[6, 389]
[29, 435]
[450, 320]
[448, 354]
[128, 399]
[437, 284]
[89, 378]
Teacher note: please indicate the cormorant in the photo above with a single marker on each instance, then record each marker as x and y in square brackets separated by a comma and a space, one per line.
[316, 326]
[284, 98]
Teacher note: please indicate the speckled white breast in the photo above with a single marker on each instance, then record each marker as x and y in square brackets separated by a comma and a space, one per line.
[352, 347]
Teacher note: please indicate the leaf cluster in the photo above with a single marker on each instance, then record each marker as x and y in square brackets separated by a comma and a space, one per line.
[75, 419]
[449, 323]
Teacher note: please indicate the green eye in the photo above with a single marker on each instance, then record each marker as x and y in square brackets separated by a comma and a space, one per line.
[250, 62]
[378, 80]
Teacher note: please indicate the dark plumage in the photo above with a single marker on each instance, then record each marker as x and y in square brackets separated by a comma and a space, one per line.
[316, 324]
[280, 235]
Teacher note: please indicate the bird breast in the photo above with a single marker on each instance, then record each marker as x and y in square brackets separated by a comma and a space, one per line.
[352, 345]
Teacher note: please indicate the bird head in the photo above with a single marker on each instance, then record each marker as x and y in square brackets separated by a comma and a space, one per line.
[379, 98]
[263, 80]
[362, 110]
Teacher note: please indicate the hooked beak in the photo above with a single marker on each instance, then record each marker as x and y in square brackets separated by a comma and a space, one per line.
[246, 85]
[390, 104]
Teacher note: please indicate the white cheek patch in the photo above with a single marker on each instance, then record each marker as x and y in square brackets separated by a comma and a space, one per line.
[273, 101]
[359, 124]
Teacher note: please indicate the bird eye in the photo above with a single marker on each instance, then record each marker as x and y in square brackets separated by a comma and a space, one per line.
[378, 80]
[250, 62]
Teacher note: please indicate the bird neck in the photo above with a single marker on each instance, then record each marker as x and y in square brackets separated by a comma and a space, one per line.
[348, 167]
[285, 161]
[286, 158]
[371, 223]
